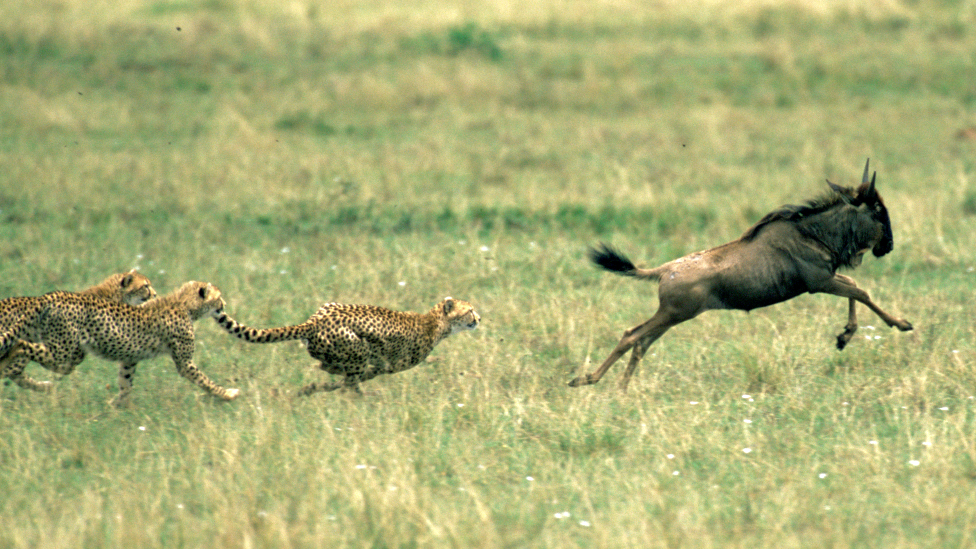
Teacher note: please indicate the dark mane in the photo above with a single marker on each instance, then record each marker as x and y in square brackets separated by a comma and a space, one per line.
[793, 212]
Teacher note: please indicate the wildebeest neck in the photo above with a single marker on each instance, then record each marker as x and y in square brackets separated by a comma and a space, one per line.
[845, 231]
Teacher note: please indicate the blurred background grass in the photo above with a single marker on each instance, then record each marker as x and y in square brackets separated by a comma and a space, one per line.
[393, 153]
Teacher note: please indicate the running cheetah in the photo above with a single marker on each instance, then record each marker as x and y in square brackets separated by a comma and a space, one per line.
[361, 342]
[19, 315]
[73, 325]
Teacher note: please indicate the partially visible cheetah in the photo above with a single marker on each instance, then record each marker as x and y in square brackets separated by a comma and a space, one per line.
[73, 325]
[19, 315]
[361, 342]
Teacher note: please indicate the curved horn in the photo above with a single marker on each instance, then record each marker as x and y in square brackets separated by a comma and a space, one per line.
[864, 179]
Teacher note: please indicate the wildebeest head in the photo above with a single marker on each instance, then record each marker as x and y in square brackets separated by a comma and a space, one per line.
[867, 200]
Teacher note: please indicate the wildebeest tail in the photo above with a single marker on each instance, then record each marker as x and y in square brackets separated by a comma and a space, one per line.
[612, 260]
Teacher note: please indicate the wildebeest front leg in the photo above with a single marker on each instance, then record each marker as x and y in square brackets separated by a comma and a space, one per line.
[844, 286]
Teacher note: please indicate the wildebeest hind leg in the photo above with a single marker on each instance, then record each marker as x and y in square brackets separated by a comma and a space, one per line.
[635, 357]
[646, 333]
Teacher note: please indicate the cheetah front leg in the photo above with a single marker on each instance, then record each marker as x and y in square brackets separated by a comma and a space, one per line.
[187, 369]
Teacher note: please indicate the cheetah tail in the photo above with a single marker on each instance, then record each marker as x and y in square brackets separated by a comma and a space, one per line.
[254, 335]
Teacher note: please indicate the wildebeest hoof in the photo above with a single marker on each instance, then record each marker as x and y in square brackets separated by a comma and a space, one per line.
[580, 381]
[842, 341]
[905, 326]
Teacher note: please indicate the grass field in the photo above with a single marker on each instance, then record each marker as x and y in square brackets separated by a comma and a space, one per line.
[394, 153]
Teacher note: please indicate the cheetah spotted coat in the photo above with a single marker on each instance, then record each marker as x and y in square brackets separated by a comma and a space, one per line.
[75, 325]
[20, 317]
[360, 342]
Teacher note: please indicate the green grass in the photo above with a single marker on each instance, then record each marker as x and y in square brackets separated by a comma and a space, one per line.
[395, 153]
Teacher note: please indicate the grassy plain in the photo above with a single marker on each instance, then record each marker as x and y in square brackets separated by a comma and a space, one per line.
[397, 152]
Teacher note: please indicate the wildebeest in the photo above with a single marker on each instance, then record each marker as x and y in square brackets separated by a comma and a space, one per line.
[790, 251]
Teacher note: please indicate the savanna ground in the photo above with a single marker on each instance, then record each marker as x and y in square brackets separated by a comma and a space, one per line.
[396, 152]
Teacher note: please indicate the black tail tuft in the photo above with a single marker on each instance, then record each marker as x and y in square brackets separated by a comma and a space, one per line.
[610, 259]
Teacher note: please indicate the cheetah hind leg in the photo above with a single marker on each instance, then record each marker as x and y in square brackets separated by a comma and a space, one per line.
[126, 372]
[12, 366]
[351, 382]
[331, 386]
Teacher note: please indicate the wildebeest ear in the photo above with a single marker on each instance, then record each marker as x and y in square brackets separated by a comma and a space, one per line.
[844, 192]
[448, 305]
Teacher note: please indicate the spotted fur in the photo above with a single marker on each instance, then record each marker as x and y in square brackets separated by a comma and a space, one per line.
[20, 316]
[360, 342]
[74, 325]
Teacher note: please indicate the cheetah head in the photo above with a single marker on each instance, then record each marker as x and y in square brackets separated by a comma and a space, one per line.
[460, 315]
[200, 298]
[135, 288]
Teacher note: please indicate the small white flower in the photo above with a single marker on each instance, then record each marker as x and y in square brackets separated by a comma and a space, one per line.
[361, 466]
[562, 515]
[875, 442]
[670, 456]
[584, 523]
[926, 443]
[747, 450]
[485, 248]
[693, 403]
[142, 427]
[460, 405]
[822, 475]
[746, 421]
[944, 408]
[285, 250]
[402, 283]
[913, 462]
[283, 272]
[746, 396]
[675, 473]
[530, 479]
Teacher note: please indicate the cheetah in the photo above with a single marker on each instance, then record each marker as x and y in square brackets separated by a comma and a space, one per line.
[19, 315]
[361, 342]
[73, 325]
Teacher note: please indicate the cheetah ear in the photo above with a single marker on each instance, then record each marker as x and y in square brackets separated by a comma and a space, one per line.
[448, 305]
[127, 279]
